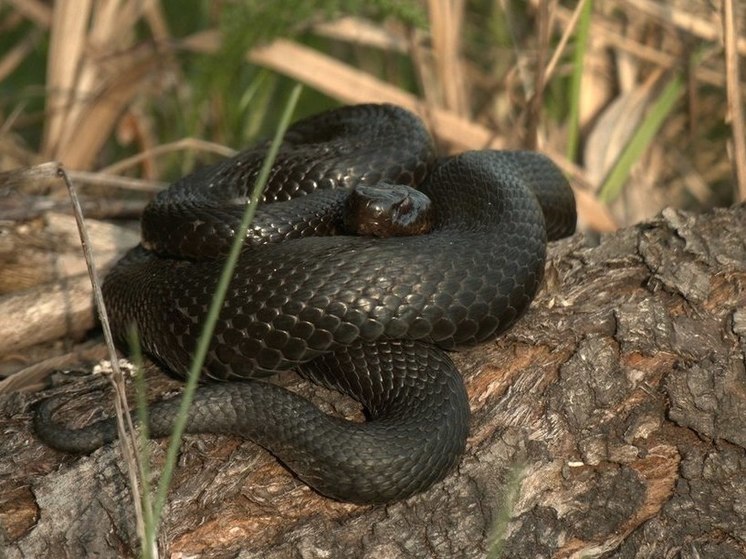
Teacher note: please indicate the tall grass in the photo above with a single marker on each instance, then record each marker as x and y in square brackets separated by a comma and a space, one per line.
[126, 77]
[216, 304]
[632, 152]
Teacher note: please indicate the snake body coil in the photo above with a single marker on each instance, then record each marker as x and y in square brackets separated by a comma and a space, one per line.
[370, 317]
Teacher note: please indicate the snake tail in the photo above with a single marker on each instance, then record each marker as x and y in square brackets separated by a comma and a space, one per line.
[416, 409]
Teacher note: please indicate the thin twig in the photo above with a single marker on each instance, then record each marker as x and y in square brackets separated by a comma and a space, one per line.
[683, 20]
[180, 145]
[107, 179]
[31, 377]
[116, 379]
[560, 49]
[735, 108]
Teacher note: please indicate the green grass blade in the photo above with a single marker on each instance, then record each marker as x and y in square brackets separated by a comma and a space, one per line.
[640, 140]
[511, 494]
[581, 46]
[149, 543]
[216, 304]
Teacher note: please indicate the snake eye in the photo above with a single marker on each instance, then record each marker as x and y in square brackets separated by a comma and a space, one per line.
[388, 210]
[406, 205]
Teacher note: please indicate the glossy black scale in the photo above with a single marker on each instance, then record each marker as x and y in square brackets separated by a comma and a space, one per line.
[371, 317]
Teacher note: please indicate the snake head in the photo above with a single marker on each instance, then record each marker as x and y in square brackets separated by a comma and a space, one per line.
[388, 210]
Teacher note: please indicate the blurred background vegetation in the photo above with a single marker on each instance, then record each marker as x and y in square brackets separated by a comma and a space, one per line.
[636, 100]
[640, 102]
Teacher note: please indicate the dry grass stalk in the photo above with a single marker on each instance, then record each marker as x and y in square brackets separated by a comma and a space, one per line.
[67, 42]
[97, 71]
[350, 85]
[34, 377]
[94, 73]
[735, 106]
[608, 35]
[446, 20]
[358, 31]
[34, 10]
[533, 112]
[133, 457]
[699, 19]
[180, 145]
[569, 29]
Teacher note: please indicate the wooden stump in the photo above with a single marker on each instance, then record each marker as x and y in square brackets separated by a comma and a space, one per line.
[611, 421]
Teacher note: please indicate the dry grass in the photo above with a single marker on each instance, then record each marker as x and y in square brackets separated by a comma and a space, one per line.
[111, 63]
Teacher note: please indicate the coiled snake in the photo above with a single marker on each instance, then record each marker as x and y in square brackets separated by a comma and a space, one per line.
[368, 316]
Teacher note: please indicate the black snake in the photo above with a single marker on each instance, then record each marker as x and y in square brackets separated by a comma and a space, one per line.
[368, 316]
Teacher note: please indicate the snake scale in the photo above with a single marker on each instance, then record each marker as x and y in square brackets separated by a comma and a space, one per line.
[370, 316]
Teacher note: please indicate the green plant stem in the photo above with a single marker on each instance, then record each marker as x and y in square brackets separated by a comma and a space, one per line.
[511, 493]
[581, 46]
[149, 543]
[641, 139]
[216, 304]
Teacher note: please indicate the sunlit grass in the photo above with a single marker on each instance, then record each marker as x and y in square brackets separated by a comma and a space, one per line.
[216, 304]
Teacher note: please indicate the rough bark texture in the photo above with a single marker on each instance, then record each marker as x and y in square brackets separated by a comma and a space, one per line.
[610, 422]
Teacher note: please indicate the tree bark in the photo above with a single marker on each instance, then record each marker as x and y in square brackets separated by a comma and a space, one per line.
[609, 422]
